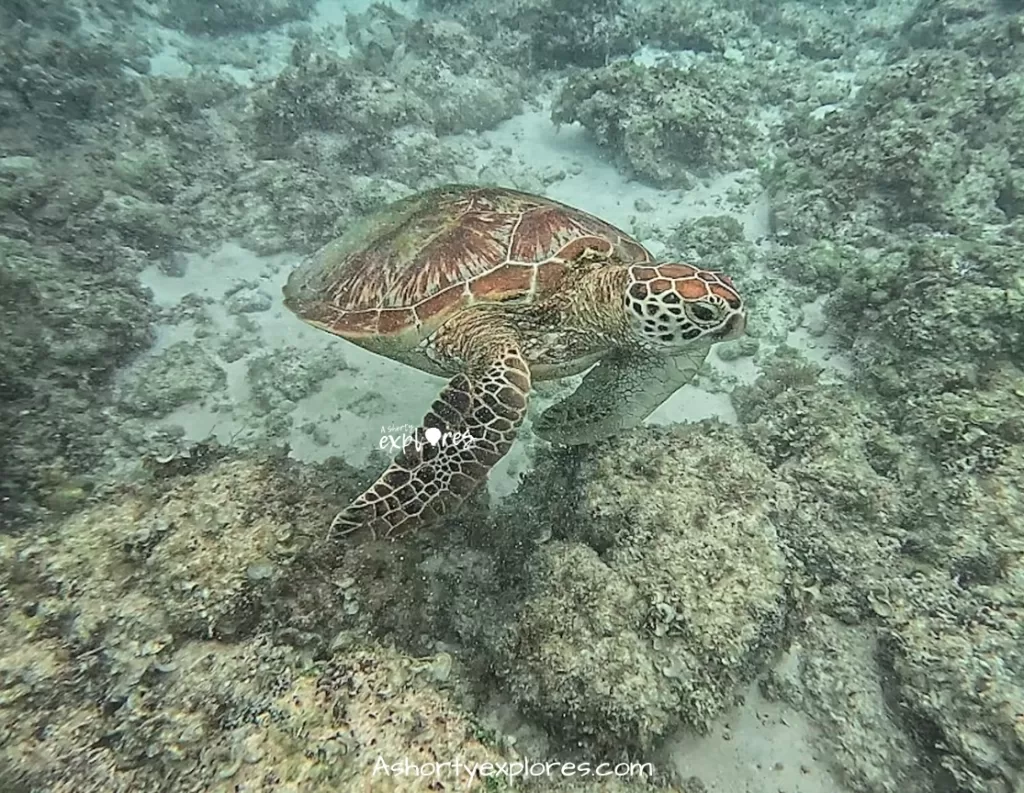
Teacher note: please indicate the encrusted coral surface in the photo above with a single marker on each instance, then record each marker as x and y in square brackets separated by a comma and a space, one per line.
[664, 122]
[664, 592]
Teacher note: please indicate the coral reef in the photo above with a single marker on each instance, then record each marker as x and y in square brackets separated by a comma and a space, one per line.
[67, 322]
[900, 204]
[945, 155]
[184, 632]
[54, 76]
[195, 630]
[986, 28]
[432, 76]
[661, 592]
[903, 561]
[116, 636]
[541, 34]
[663, 121]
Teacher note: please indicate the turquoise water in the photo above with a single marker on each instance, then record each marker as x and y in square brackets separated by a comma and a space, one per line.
[772, 540]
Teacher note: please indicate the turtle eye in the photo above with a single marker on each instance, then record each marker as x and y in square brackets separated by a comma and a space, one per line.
[705, 312]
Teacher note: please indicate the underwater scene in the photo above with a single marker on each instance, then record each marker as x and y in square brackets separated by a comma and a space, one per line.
[558, 395]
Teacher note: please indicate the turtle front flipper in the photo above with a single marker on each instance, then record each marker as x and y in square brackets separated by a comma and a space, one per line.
[618, 394]
[470, 426]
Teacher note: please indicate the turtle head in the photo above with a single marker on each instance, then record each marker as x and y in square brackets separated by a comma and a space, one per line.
[675, 305]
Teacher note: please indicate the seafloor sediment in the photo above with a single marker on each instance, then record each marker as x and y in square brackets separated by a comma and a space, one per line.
[824, 531]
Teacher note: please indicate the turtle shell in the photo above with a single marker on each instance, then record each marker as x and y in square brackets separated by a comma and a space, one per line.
[405, 270]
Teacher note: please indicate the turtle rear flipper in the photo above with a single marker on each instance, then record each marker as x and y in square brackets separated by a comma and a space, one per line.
[616, 395]
[471, 425]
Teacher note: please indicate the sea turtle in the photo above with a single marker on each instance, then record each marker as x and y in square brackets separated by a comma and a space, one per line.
[494, 289]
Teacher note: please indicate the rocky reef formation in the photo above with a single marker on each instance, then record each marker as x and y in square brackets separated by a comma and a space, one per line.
[69, 318]
[356, 112]
[661, 590]
[663, 121]
[891, 548]
[185, 631]
[898, 205]
[945, 157]
[132, 660]
[552, 33]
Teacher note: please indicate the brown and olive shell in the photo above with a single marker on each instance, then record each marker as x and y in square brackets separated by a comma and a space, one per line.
[409, 267]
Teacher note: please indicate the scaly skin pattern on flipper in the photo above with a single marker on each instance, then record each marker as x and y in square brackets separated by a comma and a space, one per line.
[484, 407]
[622, 390]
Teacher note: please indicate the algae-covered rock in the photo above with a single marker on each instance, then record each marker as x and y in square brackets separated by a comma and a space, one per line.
[60, 15]
[695, 26]
[61, 74]
[116, 634]
[991, 29]
[226, 717]
[945, 327]
[820, 264]
[909, 569]
[184, 372]
[932, 140]
[545, 34]
[663, 122]
[426, 78]
[182, 634]
[831, 673]
[65, 325]
[718, 243]
[971, 430]
[571, 32]
[581, 653]
[665, 591]
[196, 548]
[953, 650]
[465, 85]
[956, 301]
[323, 92]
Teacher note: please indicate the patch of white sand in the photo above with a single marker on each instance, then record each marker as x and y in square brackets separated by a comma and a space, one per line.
[399, 395]
[760, 747]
